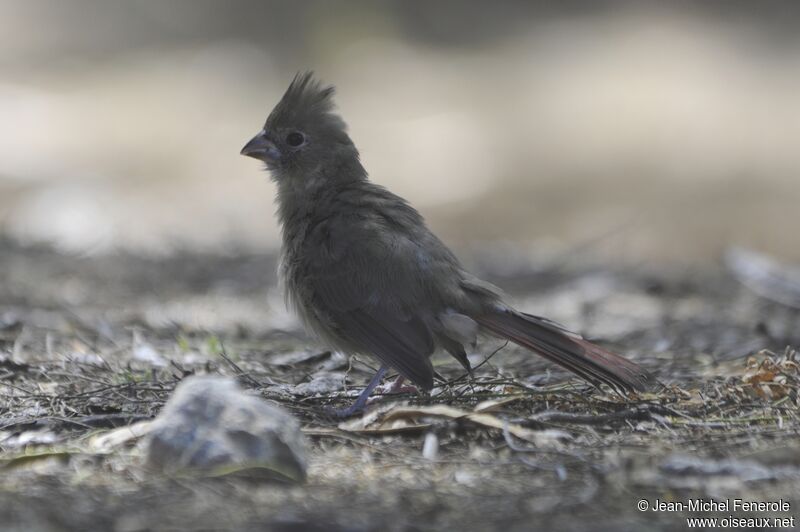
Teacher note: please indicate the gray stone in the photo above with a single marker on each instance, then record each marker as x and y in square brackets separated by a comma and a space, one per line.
[211, 427]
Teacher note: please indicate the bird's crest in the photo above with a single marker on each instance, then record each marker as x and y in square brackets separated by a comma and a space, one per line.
[305, 99]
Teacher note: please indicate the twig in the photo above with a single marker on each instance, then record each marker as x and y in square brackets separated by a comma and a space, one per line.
[239, 370]
[636, 413]
[484, 361]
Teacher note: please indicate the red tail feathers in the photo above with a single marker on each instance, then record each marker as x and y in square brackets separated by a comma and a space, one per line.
[569, 350]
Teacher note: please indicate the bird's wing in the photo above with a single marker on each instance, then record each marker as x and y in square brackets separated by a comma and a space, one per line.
[370, 287]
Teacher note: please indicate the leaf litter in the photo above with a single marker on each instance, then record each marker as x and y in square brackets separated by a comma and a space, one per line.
[518, 441]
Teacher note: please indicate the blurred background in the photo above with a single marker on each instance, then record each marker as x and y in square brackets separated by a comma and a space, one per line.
[644, 131]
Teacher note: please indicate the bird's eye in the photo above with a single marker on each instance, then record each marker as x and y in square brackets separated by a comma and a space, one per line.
[295, 139]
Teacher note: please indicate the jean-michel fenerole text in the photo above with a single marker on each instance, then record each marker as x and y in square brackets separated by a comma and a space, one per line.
[725, 505]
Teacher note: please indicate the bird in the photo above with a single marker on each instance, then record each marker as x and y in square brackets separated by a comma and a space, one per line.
[364, 272]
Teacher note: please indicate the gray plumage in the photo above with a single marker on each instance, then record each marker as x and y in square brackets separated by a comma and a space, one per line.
[366, 274]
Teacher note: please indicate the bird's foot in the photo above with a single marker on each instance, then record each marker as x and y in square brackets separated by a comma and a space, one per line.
[397, 386]
[361, 401]
[349, 411]
[364, 398]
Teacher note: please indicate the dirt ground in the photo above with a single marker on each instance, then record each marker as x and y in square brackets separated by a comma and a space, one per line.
[91, 344]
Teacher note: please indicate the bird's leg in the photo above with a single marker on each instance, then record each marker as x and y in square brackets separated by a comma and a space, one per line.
[361, 400]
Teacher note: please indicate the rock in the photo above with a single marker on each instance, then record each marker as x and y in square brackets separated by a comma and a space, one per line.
[211, 427]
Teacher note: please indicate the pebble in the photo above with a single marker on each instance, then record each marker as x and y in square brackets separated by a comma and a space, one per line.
[210, 426]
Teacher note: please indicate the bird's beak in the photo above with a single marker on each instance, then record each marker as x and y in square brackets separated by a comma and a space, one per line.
[260, 147]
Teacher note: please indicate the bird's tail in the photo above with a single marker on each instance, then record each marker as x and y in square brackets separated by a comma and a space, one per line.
[569, 350]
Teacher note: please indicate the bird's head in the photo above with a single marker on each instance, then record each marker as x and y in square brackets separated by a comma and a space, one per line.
[302, 134]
